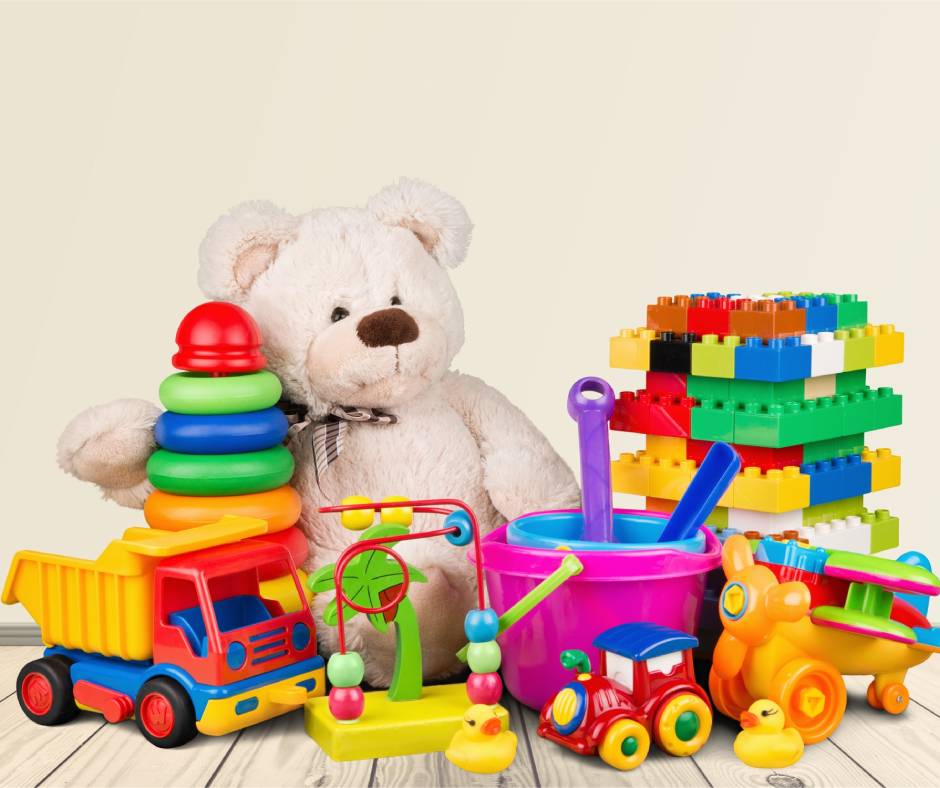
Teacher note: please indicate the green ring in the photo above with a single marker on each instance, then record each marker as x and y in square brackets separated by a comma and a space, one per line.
[220, 474]
[196, 393]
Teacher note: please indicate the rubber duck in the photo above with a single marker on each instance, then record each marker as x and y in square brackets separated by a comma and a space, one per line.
[764, 742]
[481, 745]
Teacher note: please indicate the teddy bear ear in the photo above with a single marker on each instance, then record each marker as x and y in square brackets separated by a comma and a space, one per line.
[438, 220]
[240, 246]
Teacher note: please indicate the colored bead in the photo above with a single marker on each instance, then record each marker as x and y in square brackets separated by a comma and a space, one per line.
[346, 703]
[397, 515]
[484, 688]
[460, 520]
[484, 657]
[481, 625]
[357, 519]
[345, 670]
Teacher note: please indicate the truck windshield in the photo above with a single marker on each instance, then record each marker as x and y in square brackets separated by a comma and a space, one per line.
[239, 598]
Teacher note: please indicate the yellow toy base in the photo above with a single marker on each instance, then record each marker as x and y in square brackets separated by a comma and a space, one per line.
[388, 728]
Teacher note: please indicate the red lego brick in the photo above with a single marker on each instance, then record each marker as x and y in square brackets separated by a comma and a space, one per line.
[751, 456]
[710, 316]
[666, 383]
[632, 412]
[671, 415]
[767, 318]
[668, 314]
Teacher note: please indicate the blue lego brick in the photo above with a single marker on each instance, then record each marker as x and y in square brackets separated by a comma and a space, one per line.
[833, 480]
[820, 314]
[775, 361]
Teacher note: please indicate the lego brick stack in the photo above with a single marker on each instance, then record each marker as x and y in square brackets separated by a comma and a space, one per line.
[782, 377]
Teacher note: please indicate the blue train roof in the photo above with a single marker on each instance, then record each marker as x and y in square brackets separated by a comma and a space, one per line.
[643, 640]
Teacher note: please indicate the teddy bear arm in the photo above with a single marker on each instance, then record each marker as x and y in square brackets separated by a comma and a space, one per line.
[522, 472]
[109, 445]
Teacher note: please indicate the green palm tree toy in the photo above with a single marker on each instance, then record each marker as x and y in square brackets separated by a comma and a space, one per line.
[372, 579]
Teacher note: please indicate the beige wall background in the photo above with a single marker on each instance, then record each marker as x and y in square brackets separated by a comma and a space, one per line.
[607, 153]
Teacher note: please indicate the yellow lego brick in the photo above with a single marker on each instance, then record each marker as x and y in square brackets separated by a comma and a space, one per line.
[631, 473]
[774, 491]
[666, 448]
[889, 345]
[669, 478]
[885, 468]
[631, 349]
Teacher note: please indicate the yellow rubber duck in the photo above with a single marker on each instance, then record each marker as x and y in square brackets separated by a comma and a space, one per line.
[764, 742]
[481, 745]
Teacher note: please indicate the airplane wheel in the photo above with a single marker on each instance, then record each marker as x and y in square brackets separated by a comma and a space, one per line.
[871, 695]
[895, 698]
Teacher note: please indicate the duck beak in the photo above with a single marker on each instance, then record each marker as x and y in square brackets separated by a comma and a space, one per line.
[749, 720]
[492, 726]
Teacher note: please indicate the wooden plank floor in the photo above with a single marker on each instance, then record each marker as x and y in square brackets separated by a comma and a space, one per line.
[869, 748]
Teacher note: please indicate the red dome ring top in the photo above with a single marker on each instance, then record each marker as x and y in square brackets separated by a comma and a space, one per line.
[219, 337]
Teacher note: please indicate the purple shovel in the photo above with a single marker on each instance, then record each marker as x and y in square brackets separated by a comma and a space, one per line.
[592, 415]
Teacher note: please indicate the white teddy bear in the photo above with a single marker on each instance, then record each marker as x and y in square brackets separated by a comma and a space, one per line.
[357, 311]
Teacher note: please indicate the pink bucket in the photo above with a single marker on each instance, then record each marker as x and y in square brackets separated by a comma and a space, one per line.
[615, 587]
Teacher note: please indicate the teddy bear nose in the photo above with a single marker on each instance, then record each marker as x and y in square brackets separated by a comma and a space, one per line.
[387, 327]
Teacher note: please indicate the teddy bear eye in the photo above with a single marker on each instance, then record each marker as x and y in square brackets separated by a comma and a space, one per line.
[396, 301]
[338, 314]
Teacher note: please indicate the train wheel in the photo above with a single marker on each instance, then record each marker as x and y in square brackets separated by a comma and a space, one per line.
[165, 713]
[44, 690]
[812, 695]
[625, 746]
[894, 698]
[683, 724]
[730, 696]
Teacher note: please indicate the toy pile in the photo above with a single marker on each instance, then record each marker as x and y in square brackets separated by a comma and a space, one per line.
[783, 379]
[221, 438]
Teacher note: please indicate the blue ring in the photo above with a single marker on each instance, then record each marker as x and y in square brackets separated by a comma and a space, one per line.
[581, 696]
[229, 433]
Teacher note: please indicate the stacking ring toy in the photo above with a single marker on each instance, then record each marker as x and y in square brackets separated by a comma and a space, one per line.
[296, 543]
[201, 394]
[280, 507]
[224, 433]
[220, 474]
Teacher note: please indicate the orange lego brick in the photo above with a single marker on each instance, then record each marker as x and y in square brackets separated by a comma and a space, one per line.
[669, 314]
[767, 319]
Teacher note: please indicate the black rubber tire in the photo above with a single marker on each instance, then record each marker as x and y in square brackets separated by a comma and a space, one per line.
[55, 670]
[184, 717]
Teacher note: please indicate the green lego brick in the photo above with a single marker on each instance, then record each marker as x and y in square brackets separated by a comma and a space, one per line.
[851, 311]
[885, 530]
[713, 358]
[861, 416]
[774, 425]
[718, 518]
[766, 393]
[833, 447]
[859, 348]
[849, 382]
[703, 388]
[888, 408]
[833, 510]
[713, 420]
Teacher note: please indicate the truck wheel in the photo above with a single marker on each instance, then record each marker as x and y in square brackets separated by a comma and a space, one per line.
[44, 690]
[683, 724]
[625, 746]
[165, 713]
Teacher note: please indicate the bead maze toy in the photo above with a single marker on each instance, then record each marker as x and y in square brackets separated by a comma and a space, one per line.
[371, 578]
[645, 689]
[170, 628]
[656, 563]
[781, 377]
[221, 438]
[798, 618]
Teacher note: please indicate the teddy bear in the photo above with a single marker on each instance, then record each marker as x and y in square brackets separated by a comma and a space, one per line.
[360, 322]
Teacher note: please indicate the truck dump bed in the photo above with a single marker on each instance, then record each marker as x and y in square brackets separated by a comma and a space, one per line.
[105, 606]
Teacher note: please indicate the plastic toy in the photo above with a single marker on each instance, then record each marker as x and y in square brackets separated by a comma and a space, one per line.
[229, 433]
[765, 742]
[481, 745]
[171, 628]
[280, 507]
[801, 617]
[202, 394]
[794, 405]
[218, 337]
[220, 474]
[645, 690]
[371, 578]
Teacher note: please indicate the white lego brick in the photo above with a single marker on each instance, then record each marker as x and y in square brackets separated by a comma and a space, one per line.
[765, 522]
[823, 386]
[850, 534]
[828, 356]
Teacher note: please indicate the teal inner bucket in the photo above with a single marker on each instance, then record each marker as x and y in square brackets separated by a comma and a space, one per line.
[633, 530]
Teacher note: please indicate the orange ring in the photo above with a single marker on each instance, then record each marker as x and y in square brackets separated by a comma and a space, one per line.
[280, 507]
